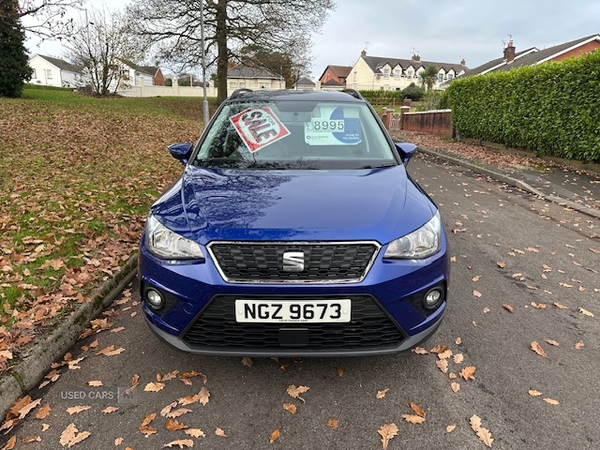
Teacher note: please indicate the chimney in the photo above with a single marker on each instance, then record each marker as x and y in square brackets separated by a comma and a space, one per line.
[363, 53]
[509, 52]
[416, 57]
[463, 62]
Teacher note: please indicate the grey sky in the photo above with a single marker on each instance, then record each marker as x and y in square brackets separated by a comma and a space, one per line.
[438, 30]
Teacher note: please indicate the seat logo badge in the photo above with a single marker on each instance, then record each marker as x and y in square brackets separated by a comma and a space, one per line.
[293, 261]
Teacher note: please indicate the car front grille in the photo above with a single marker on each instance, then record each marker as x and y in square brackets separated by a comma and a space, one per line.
[263, 262]
[217, 330]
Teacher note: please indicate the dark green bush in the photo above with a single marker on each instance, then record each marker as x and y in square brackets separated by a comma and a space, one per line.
[413, 92]
[552, 108]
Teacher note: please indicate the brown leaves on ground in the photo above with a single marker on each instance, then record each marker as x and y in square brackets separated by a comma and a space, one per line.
[536, 347]
[92, 215]
[274, 436]
[387, 433]
[71, 436]
[295, 391]
[483, 433]
[145, 427]
[181, 443]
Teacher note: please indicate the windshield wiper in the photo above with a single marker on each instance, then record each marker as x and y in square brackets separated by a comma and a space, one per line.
[379, 166]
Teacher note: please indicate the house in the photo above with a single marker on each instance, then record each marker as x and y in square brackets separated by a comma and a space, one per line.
[131, 73]
[337, 74]
[49, 71]
[305, 84]
[532, 56]
[255, 78]
[383, 73]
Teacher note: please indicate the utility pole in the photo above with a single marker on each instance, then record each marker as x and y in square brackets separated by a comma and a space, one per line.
[205, 101]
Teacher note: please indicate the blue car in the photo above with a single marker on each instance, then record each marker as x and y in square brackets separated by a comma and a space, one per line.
[294, 230]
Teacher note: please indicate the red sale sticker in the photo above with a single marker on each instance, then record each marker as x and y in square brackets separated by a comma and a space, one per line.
[258, 127]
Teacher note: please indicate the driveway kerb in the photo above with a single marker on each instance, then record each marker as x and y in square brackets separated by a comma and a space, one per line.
[49, 348]
[513, 182]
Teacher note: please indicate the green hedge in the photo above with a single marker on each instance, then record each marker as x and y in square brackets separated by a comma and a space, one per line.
[552, 108]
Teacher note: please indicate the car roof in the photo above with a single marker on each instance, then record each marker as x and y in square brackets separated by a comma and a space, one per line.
[245, 95]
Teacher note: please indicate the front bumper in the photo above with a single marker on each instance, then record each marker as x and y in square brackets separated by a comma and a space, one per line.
[387, 314]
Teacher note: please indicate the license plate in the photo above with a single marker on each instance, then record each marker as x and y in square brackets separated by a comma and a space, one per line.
[274, 311]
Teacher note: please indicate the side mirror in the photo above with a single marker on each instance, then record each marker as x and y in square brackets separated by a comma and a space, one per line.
[181, 151]
[407, 151]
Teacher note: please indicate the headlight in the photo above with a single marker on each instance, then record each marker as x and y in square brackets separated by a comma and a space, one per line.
[167, 244]
[419, 244]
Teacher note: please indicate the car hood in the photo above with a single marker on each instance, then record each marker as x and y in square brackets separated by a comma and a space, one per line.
[232, 204]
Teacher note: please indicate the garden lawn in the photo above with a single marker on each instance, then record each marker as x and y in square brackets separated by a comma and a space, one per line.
[77, 176]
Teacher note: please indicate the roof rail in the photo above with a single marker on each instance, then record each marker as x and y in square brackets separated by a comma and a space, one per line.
[353, 93]
[239, 92]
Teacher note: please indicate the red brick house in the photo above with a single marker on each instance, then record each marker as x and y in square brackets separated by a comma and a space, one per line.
[337, 74]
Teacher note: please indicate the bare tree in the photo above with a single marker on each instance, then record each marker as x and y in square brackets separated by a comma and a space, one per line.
[99, 44]
[172, 27]
[48, 19]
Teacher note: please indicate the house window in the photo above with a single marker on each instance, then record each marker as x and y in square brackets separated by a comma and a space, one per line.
[263, 85]
[450, 76]
[33, 75]
[355, 76]
[48, 74]
[386, 73]
[396, 73]
[242, 84]
[409, 73]
[440, 77]
[233, 85]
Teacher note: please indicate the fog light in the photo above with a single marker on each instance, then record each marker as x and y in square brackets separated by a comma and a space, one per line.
[154, 299]
[432, 299]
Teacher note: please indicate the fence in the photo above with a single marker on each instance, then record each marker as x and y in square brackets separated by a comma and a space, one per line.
[437, 122]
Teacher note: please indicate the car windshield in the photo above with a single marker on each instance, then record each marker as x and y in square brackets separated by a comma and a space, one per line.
[296, 134]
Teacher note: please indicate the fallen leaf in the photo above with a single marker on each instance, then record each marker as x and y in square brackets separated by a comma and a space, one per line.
[180, 443]
[455, 387]
[508, 308]
[439, 349]
[71, 436]
[486, 310]
[560, 306]
[110, 351]
[204, 395]
[476, 278]
[274, 436]
[43, 412]
[538, 349]
[420, 351]
[551, 401]
[174, 425]
[442, 365]
[417, 409]
[77, 409]
[458, 358]
[333, 424]
[295, 391]
[538, 305]
[552, 342]
[30, 439]
[585, 312]
[167, 409]
[450, 428]
[118, 441]
[219, 432]
[10, 444]
[484, 435]
[145, 428]
[468, 373]
[290, 407]
[247, 361]
[178, 413]
[194, 432]
[387, 433]
[413, 418]
[445, 355]
[94, 383]
[110, 409]
[458, 341]
[340, 371]
[579, 345]
[534, 393]
[501, 264]
[154, 387]
[381, 394]
[476, 293]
